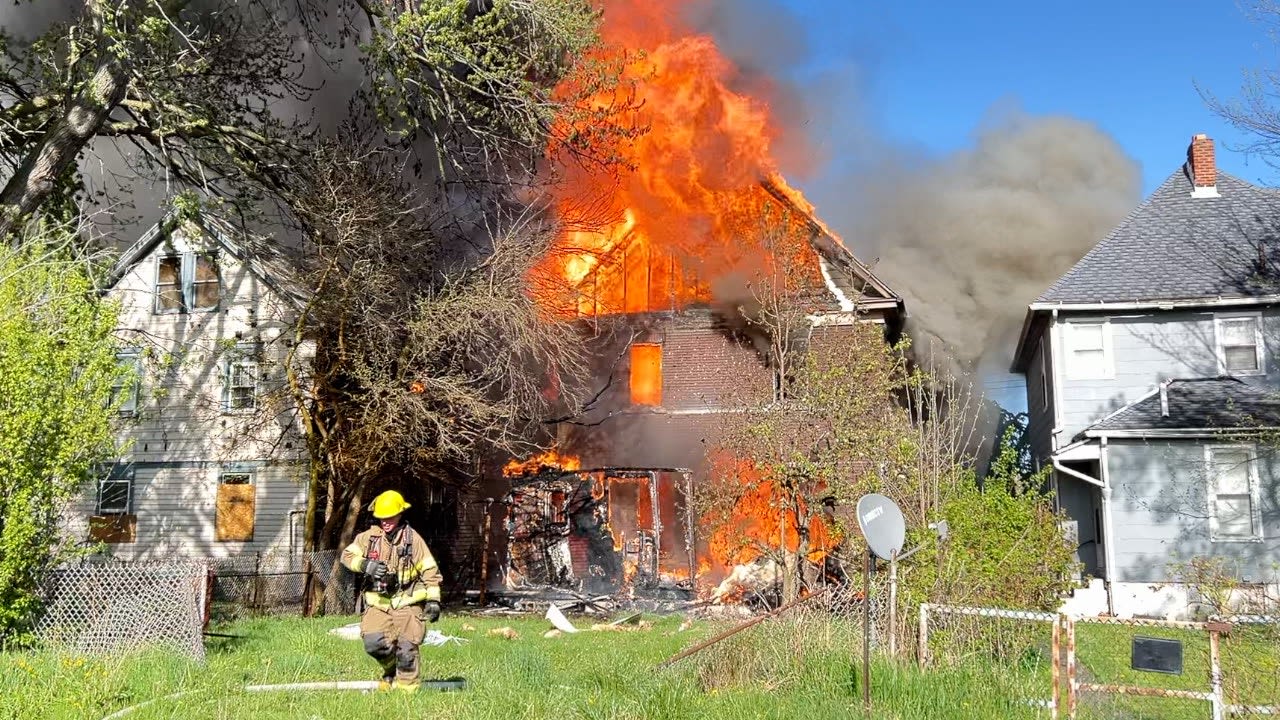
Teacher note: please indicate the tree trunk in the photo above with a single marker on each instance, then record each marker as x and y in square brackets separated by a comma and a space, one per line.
[345, 537]
[38, 175]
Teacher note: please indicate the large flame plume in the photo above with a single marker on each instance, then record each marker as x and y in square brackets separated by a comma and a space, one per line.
[684, 210]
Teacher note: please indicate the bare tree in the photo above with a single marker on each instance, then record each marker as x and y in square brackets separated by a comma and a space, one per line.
[424, 358]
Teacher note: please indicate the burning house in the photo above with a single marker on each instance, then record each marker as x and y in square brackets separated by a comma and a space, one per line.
[665, 271]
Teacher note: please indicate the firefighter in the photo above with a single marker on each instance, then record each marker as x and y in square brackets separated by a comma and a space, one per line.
[403, 591]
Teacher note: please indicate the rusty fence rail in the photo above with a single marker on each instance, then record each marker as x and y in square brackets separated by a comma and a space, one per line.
[1203, 637]
[932, 615]
[1237, 657]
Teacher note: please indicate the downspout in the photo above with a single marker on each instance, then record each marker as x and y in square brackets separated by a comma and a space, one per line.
[1109, 550]
[1057, 381]
[289, 520]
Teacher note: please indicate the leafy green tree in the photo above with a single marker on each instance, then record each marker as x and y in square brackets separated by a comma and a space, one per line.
[1004, 527]
[57, 370]
[223, 95]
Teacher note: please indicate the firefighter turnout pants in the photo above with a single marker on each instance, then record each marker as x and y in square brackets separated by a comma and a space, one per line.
[393, 637]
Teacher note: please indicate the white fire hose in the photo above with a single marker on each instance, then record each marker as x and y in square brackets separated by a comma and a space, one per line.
[358, 685]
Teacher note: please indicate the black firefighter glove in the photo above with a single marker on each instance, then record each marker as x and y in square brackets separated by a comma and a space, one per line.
[432, 609]
[376, 570]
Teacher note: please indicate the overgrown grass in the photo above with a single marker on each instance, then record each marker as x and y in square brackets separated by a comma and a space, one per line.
[590, 675]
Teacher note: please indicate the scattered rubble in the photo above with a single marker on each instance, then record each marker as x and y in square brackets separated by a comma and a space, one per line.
[504, 632]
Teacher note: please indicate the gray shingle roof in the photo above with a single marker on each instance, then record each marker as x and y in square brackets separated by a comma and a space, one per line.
[1206, 404]
[1174, 246]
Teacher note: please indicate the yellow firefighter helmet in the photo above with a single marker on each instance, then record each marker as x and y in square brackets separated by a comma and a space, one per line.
[389, 504]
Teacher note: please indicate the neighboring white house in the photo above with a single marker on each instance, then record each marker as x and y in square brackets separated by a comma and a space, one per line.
[213, 463]
[1153, 391]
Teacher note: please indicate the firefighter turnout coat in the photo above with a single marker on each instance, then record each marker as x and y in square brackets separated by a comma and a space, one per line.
[408, 561]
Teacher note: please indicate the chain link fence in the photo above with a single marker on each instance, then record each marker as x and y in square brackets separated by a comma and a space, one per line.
[1250, 657]
[110, 607]
[114, 608]
[1025, 643]
[1108, 667]
[1103, 682]
[280, 583]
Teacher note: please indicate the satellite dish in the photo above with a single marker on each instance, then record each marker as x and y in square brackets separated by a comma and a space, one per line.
[882, 524]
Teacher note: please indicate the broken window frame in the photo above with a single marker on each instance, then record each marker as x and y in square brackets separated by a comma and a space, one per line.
[111, 477]
[188, 284]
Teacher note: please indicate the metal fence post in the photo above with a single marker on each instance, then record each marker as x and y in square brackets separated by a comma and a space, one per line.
[1070, 628]
[1055, 666]
[893, 605]
[1215, 673]
[922, 656]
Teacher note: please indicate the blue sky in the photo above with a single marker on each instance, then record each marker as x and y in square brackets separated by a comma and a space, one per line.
[926, 75]
[929, 72]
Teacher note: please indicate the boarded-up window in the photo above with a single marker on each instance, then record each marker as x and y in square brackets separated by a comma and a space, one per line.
[205, 287]
[113, 529]
[237, 504]
[113, 520]
[646, 374]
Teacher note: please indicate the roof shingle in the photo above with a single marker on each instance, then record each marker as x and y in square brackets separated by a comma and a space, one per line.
[1176, 247]
[1222, 403]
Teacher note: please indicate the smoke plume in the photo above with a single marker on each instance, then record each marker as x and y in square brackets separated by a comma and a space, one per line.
[968, 239]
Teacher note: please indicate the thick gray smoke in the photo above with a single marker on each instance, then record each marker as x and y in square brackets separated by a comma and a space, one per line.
[969, 238]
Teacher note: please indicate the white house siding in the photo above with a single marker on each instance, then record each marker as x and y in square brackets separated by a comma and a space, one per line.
[1146, 350]
[1160, 511]
[181, 438]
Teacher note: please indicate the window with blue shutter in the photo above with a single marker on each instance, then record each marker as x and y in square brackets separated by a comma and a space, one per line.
[186, 283]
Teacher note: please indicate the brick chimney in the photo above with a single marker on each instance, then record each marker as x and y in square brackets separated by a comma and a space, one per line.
[1204, 170]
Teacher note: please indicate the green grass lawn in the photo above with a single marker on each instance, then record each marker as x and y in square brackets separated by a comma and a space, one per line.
[806, 672]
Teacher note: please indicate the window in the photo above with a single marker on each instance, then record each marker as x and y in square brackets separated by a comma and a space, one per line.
[1044, 374]
[1240, 347]
[240, 391]
[646, 374]
[115, 491]
[1233, 488]
[187, 282]
[124, 389]
[1088, 350]
[236, 506]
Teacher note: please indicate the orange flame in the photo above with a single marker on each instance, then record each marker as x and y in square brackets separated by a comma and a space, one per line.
[683, 214]
[646, 374]
[762, 517]
[547, 461]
